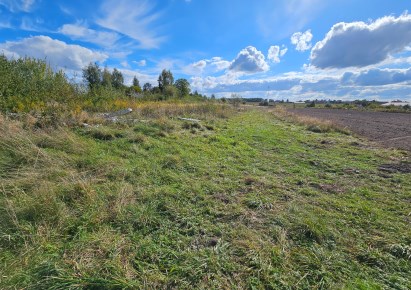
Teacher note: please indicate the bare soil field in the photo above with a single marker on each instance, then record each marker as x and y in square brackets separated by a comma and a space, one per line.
[388, 129]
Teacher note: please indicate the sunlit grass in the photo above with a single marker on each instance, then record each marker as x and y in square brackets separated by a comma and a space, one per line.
[242, 199]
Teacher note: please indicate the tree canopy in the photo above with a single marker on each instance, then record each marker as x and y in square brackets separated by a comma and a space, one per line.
[117, 79]
[147, 87]
[183, 87]
[136, 82]
[165, 79]
[92, 75]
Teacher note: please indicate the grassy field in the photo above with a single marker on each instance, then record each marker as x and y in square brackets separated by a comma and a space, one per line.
[243, 199]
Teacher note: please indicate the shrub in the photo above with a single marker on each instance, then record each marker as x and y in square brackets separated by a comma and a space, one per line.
[311, 105]
[28, 84]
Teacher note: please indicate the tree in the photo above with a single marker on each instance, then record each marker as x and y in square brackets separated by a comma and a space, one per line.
[117, 79]
[106, 78]
[155, 90]
[170, 91]
[165, 79]
[92, 75]
[147, 87]
[136, 82]
[183, 87]
[135, 88]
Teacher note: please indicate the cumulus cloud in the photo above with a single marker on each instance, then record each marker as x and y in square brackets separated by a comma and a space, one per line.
[134, 19]
[377, 77]
[274, 53]
[379, 84]
[195, 68]
[58, 53]
[200, 64]
[219, 63]
[249, 60]
[302, 40]
[358, 44]
[83, 33]
[211, 82]
[212, 65]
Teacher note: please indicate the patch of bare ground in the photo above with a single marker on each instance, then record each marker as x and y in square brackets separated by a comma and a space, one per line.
[391, 130]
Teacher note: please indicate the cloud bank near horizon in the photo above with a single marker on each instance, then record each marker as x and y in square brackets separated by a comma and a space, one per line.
[367, 59]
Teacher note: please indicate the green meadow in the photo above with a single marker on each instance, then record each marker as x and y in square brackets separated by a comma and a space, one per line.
[245, 198]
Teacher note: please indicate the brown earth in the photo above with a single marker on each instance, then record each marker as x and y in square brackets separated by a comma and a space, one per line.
[388, 129]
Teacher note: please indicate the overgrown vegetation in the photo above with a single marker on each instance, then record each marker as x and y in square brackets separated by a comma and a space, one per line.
[30, 85]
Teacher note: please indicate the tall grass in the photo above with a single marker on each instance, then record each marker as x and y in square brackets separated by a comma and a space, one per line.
[312, 124]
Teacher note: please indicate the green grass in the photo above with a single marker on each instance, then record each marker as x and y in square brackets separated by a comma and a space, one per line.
[249, 200]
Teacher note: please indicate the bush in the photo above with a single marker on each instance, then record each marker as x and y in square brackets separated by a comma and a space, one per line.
[170, 91]
[28, 84]
[311, 105]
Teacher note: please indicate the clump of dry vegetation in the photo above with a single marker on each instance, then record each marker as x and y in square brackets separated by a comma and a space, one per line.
[312, 124]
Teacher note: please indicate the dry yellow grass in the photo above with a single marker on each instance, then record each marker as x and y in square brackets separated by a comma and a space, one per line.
[312, 124]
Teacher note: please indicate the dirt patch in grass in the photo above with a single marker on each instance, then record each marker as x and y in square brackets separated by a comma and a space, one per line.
[402, 167]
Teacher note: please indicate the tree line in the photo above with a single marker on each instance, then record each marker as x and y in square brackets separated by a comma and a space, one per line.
[97, 78]
[31, 85]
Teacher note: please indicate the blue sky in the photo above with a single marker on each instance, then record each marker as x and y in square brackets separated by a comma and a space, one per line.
[285, 49]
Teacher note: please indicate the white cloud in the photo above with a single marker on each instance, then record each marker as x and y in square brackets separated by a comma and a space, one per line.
[211, 82]
[32, 24]
[58, 53]
[142, 62]
[381, 84]
[219, 63]
[249, 60]
[279, 84]
[274, 53]
[200, 64]
[18, 5]
[195, 68]
[83, 33]
[358, 44]
[377, 77]
[302, 40]
[125, 64]
[133, 19]
[142, 77]
[212, 65]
